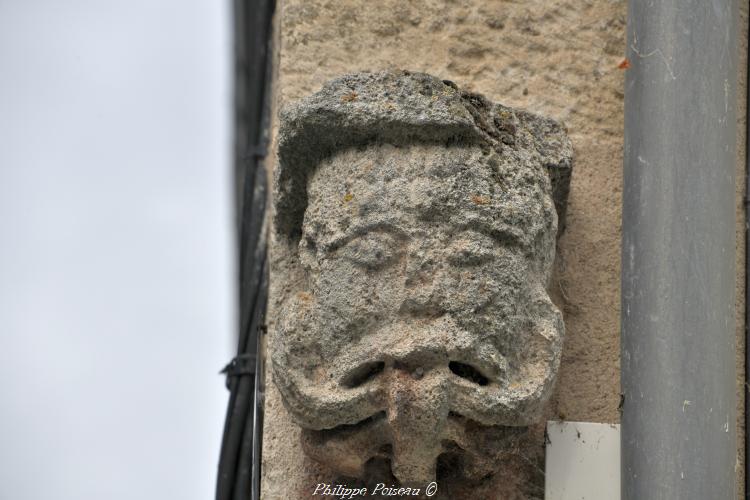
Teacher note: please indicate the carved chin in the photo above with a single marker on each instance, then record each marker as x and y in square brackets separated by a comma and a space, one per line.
[466, 448]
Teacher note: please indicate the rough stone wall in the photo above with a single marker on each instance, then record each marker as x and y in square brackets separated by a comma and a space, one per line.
[559, 58]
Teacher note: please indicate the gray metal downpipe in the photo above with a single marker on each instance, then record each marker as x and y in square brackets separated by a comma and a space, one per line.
[678, 251]
[747, 274]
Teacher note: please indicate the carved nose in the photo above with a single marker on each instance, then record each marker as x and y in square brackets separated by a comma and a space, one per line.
[417, 413]
[420, 279]
[419, 267]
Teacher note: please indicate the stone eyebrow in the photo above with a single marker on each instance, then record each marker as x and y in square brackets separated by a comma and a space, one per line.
[503, 234]
[356, 230]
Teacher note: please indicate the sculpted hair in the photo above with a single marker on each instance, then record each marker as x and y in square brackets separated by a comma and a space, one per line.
[402, 108]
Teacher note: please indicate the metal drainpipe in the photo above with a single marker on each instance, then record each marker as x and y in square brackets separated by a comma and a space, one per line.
[678, 251]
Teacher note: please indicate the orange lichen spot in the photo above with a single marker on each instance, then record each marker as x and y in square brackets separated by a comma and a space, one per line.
[304, 296]
[625, 64]
[351, 96]
[480, 200]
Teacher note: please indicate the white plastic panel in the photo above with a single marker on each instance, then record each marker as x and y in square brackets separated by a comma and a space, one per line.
[583, 461]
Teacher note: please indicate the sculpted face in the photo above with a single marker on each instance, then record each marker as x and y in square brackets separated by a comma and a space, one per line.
[421, 330]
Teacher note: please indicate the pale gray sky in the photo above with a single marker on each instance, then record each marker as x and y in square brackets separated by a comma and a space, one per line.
[116, 263]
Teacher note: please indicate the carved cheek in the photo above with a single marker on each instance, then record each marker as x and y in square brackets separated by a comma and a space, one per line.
[474, 290]
[356, 292]
[497, 286]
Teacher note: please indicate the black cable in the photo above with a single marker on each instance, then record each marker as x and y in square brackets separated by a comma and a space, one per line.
[747, 272]
[239, 460]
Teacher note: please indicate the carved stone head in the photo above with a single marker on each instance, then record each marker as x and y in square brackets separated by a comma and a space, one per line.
[419, 223]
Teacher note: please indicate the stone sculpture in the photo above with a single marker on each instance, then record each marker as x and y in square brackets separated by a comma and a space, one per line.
[418, 225]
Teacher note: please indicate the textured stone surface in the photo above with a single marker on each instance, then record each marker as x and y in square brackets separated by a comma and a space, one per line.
[558, 58]
[400, 108]
[420, 230]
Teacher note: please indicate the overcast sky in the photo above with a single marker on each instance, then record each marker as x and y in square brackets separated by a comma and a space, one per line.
[116, 264]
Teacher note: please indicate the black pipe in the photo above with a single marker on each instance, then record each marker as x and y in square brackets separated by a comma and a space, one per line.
[239, 461]
[678, 251]
[747, 270]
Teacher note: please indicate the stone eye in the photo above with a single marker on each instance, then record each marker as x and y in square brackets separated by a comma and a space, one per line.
[371, 250]
[471, 250]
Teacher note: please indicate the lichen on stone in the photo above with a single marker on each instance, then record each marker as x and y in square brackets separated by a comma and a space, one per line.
[419, 222]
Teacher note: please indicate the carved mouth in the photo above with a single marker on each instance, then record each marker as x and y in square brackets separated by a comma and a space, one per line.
[385, 451]
[451, 446]
[468, 450]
